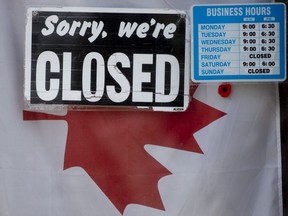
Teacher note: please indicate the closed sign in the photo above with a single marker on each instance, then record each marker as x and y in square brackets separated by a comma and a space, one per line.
[91, 57]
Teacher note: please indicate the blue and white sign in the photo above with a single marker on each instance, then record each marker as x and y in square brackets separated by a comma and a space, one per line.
[243, 42]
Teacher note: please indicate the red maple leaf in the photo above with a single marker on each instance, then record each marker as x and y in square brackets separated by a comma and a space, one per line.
[109, 146]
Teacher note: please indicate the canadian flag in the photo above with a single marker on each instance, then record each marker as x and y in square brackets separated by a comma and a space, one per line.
[219, 158]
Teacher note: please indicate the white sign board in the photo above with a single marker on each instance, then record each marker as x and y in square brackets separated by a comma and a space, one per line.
[241, 42]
